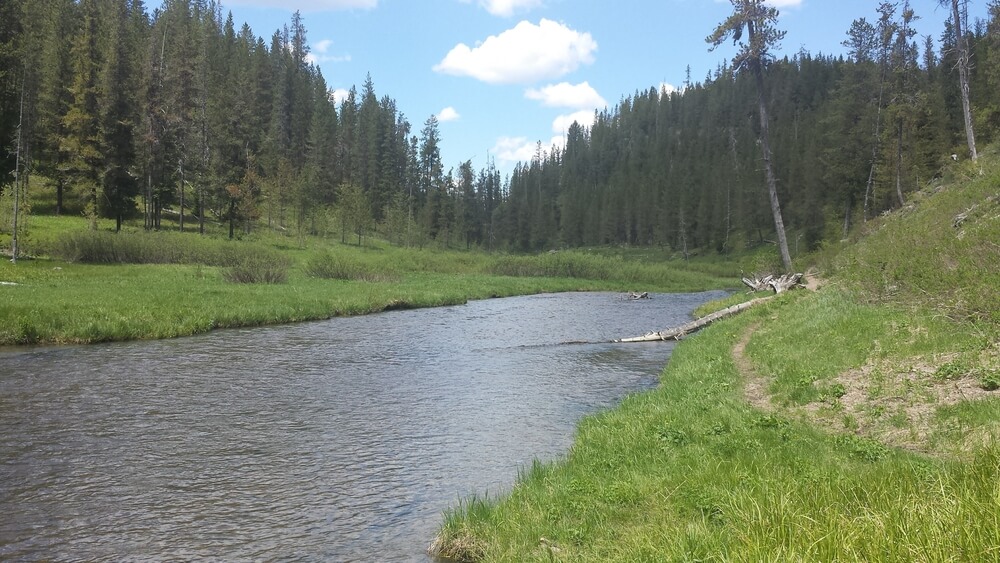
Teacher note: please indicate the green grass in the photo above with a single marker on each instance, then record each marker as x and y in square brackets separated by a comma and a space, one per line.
[139, 285]
[691, 472]
[876, 438]
[828, 333]
[922, 255]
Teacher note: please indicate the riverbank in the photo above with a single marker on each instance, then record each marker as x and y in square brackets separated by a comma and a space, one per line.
[192, 290]
[858, 422]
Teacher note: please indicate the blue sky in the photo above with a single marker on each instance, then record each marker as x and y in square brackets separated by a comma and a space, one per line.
[502, 75]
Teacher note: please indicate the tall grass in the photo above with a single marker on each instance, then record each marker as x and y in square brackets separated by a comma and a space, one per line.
[579, 265]
[242, 262]
[693, 471]
[690, 472]
[331, 266]
[105, 247]
[940, 251]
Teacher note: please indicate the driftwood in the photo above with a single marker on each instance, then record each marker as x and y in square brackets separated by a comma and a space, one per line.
[773, 283]
[679, 332]
[633, 295]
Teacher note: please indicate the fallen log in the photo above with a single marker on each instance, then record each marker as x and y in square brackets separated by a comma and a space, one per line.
[777, 284]
[679, 332]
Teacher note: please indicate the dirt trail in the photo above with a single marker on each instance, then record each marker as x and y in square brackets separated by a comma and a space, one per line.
[892, 400]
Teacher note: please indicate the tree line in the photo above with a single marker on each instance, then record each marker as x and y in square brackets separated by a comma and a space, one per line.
[852, 136]
[176, 114]
[179, 114]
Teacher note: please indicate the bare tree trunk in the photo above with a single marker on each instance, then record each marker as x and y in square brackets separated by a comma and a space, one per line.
[963, 78]
[679, 332]
[848, 208]
[17, 178]
[772, 182]
[869, 187]
[148, 204]
[181, 168]
[59, 196]
[899, 163]
[683, 229]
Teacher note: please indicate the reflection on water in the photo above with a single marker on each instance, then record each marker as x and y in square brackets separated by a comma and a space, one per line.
[336, 440]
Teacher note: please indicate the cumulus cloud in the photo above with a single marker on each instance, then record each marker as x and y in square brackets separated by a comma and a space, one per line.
[513, 149]
[507, 8]
[308, 5]
[339, 95]
[524, 54]
[448, 114]
[566, 95]
[320, 53]
[667, 88]
[784, 3]
[584, 117]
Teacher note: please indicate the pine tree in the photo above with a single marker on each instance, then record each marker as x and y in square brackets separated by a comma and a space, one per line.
[762, 37]
[119, 108]
[81, 141]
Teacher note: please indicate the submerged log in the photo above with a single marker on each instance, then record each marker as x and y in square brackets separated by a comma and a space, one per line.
[679, 332]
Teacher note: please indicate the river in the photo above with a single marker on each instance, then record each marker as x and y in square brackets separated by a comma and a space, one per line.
[339, 440]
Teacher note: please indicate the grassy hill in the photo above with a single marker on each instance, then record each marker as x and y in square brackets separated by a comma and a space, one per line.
[857, 422]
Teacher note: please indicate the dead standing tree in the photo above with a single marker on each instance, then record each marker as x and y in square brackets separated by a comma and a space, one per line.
[753, 56]
[959, 15]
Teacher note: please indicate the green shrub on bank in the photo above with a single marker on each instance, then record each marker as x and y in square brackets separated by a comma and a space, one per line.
[105, 247]
[329, 266]
[255, 265]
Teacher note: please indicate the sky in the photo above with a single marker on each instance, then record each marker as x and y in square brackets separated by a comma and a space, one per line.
[502, 75]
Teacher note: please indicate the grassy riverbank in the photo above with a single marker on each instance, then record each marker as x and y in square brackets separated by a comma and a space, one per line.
[99, 286]
[858, 422]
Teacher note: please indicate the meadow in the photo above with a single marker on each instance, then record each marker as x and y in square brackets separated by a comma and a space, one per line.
[858, 422]
[84, 286]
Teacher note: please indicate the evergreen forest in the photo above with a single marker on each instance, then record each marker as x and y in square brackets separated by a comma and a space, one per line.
[175, 117]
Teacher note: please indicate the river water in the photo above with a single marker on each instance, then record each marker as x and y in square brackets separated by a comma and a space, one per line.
[340, 440]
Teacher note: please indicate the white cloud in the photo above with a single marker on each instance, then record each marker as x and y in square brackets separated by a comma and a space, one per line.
[510, 150]
[320, 53]
[566, 95]
[784, 3]
[584, 117]
[308, 5]
[339, 95]
[557, 143]
[507, 8]
[667, 88]
[524, 54]
[448, 114]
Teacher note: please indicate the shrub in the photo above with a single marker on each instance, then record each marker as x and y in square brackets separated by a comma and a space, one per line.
[105, 247]
[332, 267]
[254, 265]
[990, 380]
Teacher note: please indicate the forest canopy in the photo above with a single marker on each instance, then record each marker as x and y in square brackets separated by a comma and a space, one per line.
[175, 112]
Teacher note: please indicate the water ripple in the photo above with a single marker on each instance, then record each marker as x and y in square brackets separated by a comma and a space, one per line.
[336, 440]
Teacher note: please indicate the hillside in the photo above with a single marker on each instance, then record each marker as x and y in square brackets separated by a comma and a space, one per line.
[856, 422]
